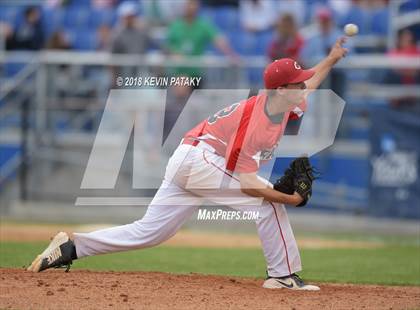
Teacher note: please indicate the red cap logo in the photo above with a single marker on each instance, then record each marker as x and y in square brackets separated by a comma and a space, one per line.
[285, 71]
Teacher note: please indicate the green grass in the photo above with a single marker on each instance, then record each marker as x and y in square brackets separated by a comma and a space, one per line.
[389, 265]
[389, 239]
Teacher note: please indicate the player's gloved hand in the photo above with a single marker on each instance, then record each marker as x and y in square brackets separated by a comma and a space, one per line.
[304, 176]
[286, 183]
[304, 188]
[298, 177]
[302, 167]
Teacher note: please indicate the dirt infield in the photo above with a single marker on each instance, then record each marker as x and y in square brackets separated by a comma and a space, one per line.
[152, 290]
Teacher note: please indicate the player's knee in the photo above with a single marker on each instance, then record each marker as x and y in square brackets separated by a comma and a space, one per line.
[159, 237]
[156, 235]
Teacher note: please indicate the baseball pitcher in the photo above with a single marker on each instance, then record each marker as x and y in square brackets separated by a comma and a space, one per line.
[218, 160]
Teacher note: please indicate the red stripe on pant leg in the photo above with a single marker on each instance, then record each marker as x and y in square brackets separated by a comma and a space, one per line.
[217, 167]
[282, 237]
[274, 208]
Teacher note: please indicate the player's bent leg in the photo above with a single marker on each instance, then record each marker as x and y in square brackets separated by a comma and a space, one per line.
[274, 229]
[278, 242]
[162, 220]
[279, 246]
[277, 239]
[168, 211]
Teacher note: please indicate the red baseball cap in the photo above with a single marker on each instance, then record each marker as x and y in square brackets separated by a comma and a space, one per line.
[285, 71]
[324, 14]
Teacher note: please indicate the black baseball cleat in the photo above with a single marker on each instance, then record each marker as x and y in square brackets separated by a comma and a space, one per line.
[60, 253]
[292, 282]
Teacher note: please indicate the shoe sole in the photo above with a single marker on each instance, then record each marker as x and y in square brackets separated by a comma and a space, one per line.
[58, 240]
[276, 285]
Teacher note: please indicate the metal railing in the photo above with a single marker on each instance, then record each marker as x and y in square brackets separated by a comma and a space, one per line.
[95, 58]
[15, 95]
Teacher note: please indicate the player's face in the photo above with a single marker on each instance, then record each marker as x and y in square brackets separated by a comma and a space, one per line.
[293, 94]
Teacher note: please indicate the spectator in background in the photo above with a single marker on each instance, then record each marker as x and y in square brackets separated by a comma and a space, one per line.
[287, 42]
[380, 16]
[318, 46]
[101, 4]
[103, 34]
[64, 77]
[176, 99]
[29, 34]
[6, 33]
[358, 14]
[340, 8]
[406, 47]
[292, 7]
[131, 36]
[257, 15]
[406, 44]
[58, 41]
[162, 12]
[190, 35]
[97, 74]
[53, 3]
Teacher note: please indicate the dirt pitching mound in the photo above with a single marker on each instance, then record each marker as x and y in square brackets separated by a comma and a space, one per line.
[154, 290]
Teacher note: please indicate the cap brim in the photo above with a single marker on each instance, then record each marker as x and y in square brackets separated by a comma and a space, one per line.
[303, 76]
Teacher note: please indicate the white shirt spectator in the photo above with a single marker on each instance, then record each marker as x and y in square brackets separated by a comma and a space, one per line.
[340, 7]
[163, 10]
[257, 15]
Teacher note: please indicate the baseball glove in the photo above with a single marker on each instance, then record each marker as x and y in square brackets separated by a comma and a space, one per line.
[298, 177]
[286, 184]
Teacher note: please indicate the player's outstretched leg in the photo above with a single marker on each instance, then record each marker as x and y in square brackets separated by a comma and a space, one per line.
[162, 220]
[292, 282]
[60, 253]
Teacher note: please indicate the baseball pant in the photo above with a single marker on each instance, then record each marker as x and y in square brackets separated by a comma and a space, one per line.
[194, 175]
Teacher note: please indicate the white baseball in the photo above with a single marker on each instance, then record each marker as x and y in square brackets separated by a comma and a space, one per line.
[351, 30]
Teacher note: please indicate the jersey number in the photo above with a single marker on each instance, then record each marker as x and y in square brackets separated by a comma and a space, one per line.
[222, 113]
